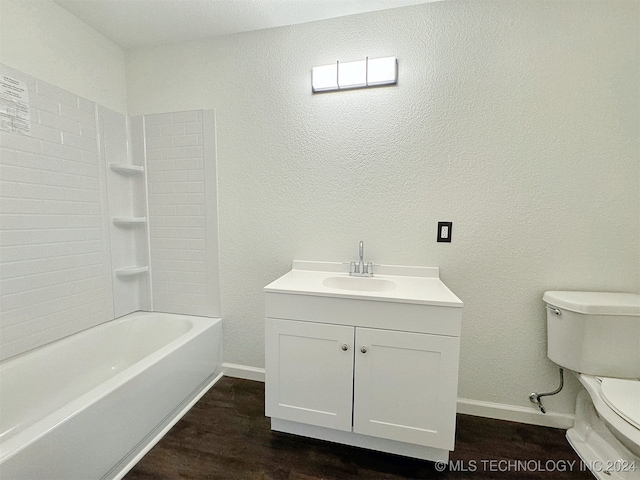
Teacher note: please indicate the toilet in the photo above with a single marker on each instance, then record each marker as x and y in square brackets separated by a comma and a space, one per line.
[596, 335]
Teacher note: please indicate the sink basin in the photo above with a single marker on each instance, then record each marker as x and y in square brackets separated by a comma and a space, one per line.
[360, 284]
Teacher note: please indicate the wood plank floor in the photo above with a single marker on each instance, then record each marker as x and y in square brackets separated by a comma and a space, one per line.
[226, 436]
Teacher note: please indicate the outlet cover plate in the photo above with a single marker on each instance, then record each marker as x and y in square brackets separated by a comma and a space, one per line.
[444, 231]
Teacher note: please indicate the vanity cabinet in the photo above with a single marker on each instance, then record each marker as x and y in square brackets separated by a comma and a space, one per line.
[405, 386]
[388, 384]
[369, 362]
[310, 373]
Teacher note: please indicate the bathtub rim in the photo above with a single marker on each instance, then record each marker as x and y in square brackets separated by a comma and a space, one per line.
[137, 313]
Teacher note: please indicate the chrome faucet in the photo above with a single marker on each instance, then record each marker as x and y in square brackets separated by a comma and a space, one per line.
[361, 269]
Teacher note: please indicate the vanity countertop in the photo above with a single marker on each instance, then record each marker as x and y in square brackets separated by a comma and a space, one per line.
[390, 283]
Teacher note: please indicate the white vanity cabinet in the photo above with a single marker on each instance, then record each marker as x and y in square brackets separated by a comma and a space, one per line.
[405, 386]
[364, 370]
[383, 383]
[310, 373]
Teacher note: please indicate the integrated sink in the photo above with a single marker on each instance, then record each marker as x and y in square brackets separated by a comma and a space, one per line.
[389, 283]
[360, 284]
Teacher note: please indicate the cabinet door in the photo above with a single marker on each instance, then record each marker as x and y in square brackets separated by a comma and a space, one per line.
[406, 387]
[309, 373]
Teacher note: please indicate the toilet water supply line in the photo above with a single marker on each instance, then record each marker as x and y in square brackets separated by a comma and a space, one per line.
[536, 397]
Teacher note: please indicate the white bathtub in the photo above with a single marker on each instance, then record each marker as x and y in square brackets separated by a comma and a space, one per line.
[90, 405]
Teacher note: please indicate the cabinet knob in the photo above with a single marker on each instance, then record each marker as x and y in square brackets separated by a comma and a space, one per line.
[345, 347]
[363, 349]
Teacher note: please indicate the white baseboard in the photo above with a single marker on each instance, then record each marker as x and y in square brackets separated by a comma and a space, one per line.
[478, 408]
[514, 413]
[243, 371]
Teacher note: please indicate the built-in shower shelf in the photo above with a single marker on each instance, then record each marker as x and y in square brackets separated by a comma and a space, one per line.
[128, 221]
[126, 169]
[131, 271]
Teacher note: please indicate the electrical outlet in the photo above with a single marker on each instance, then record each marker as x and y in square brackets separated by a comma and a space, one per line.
[444, 231]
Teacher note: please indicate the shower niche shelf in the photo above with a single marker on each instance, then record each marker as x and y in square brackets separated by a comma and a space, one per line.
[128, 221]
[126, 169]
[131, 271]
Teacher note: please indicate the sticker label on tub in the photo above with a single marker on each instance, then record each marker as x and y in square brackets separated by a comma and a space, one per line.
[14, 106]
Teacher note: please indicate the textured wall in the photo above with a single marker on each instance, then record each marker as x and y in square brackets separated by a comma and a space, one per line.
[518, 121]
[41, 38]
[54, 260]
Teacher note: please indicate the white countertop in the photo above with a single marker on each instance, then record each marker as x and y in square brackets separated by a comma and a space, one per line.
[390, 283]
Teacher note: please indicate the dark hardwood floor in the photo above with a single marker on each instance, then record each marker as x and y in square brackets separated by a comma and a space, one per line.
[226, 436]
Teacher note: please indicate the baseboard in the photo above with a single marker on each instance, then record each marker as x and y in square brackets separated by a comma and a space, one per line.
[243, 371]
[478, 408]
[514, 413]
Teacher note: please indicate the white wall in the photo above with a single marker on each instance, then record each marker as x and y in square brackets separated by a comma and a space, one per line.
[518, 121]
[42, 39]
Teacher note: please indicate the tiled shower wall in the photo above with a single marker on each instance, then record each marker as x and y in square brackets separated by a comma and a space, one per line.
[183, 225]
[56, 271]
[54, 257]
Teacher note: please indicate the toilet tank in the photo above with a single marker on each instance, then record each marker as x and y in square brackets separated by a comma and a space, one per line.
[597, 333]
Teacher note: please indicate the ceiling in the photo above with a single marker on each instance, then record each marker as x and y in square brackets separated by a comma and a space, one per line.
[134, 23]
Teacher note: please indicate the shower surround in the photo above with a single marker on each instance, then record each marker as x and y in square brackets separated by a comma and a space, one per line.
[102, 215]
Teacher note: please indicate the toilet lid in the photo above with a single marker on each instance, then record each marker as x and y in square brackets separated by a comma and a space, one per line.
[623, 396]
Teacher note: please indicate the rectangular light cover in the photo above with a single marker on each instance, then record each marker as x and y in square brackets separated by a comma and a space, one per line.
[352, 74]
[324, 78]
[362, 73]
[382, 71]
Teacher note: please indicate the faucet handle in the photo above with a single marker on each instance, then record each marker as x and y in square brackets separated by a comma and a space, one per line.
[353, 267]
[368, 268]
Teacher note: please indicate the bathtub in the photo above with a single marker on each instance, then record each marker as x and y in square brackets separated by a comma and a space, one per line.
[91, 405]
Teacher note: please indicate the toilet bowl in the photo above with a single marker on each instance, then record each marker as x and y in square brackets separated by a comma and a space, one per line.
[607, 442]
[597, 336]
